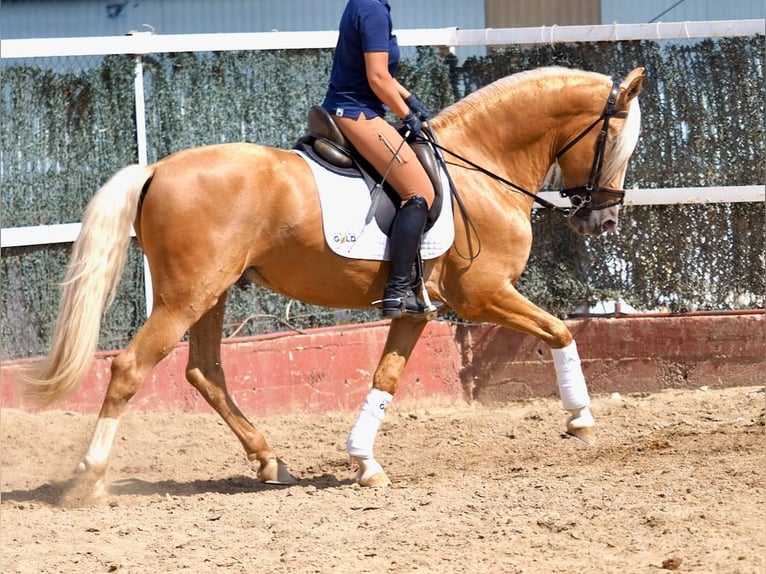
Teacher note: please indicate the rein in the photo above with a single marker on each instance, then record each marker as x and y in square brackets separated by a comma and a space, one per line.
[580, 197]
[501, 179]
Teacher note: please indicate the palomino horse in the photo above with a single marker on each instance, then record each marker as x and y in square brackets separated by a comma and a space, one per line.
[206, 217]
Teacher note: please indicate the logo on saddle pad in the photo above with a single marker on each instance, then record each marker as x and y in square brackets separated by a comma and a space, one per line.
[346, 201]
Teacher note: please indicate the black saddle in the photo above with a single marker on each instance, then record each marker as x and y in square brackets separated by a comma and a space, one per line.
[326, 144]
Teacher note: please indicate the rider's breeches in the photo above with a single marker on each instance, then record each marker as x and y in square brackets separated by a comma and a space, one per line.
[380, 144]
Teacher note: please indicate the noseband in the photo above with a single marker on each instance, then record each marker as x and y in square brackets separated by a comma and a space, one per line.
[582, 197]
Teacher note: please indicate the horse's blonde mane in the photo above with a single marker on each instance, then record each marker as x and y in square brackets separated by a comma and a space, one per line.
[619, 148]
[500, 89]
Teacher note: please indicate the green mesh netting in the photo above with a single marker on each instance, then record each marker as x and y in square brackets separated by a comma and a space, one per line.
[68, 124]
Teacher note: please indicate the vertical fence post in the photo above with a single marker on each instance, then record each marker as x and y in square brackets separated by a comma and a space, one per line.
[143, 159]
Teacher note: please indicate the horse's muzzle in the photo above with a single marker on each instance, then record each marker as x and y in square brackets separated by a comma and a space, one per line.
[593, 223]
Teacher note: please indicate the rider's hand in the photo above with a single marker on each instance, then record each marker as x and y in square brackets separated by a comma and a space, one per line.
[418, 107]
[413, 125]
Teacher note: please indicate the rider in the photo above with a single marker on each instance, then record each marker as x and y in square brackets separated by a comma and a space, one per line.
[362, 84]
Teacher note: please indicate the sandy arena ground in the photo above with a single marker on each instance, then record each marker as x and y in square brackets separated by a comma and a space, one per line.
[676, 483]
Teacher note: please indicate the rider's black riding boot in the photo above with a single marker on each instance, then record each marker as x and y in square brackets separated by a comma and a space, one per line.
[404, 244]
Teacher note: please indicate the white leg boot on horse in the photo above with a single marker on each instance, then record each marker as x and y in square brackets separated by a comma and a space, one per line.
[362, 438]
[401, 340]
[510, 309]
[574, 393]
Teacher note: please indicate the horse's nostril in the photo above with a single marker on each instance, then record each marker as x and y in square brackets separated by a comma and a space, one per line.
[610, 225]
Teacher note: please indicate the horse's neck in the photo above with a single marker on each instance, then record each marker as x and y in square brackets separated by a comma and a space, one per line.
[510, 135]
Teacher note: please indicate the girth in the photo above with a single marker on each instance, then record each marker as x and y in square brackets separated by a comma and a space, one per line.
[327, 145]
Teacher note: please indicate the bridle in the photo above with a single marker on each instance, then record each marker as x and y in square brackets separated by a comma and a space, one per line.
[582, 197]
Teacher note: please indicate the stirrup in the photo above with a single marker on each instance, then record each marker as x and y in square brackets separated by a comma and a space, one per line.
[408, 306]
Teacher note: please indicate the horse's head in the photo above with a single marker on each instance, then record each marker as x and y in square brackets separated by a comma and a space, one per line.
[593, 162]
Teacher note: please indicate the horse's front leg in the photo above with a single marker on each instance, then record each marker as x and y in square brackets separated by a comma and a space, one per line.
[508, 308]
[402, 337]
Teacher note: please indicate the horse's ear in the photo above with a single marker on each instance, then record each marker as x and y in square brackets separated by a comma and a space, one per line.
[630, 87]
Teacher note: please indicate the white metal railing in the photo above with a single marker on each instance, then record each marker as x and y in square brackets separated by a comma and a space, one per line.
[148, 43]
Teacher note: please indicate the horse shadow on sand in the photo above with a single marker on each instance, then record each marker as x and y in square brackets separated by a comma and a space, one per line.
[65, 492]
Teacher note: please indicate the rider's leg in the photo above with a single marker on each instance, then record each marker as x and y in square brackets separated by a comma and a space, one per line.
[384, 148]
[381, 145]
[403, 247]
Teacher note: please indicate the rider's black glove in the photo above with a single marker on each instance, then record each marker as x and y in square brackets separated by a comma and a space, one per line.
[414, 126]
[417, 107]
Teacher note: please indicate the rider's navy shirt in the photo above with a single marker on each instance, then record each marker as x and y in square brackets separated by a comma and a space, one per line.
[365, 26]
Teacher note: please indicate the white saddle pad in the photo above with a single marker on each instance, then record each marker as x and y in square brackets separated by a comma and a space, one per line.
[345, 202]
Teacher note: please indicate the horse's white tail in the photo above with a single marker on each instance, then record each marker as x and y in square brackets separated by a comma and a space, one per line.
[90, 284]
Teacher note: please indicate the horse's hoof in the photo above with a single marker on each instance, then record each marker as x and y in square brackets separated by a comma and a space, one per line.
[370, 473]
[584, 435]
[82, 491]
[582, 426]
[275, 472]
[87, 487]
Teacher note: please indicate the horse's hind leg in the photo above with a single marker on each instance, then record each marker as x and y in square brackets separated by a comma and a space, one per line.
[205, 373]
[129, 369]
[402, 337]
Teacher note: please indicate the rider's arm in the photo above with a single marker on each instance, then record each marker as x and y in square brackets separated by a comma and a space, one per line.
[385, 86]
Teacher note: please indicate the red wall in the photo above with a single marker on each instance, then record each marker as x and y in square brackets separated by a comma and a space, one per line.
[331, 369]
[626, 354]
[322, 370]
